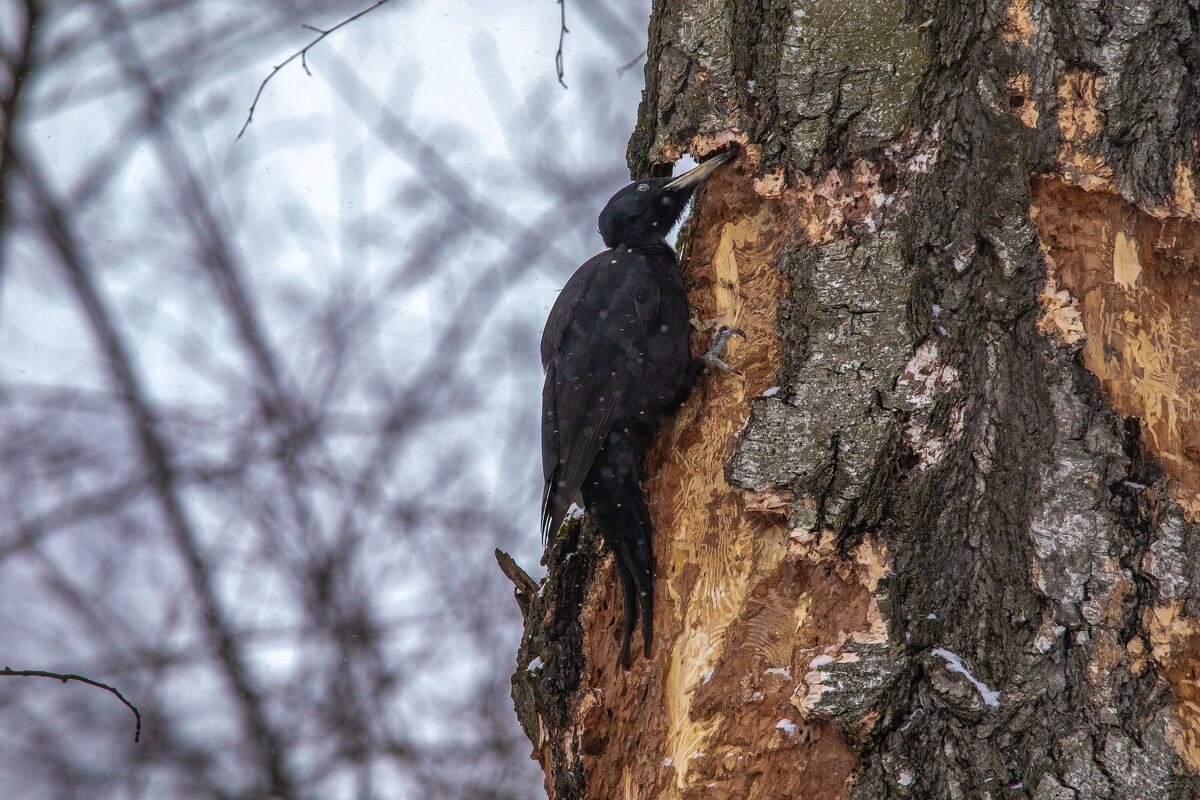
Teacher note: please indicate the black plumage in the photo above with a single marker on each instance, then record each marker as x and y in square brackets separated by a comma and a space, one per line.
[617, 360]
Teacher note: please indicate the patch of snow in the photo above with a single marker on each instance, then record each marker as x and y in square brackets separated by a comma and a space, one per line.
[708, 675]
[922, 162]
[927, 375]
[820, 661]
[535, 664]
[954, 664]
[1044, 641]
[1133, 485]
[905, 779]
[666, 762]
[787, 726]
[963, 259]
[784, 671]
[929, 449]
[774, 390]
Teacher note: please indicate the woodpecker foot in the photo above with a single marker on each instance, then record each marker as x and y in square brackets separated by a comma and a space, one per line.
[720, 339]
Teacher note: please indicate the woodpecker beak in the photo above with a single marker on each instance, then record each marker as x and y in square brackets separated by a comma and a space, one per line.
[693, 177]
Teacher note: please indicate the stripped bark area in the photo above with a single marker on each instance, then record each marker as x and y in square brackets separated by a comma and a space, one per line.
[1132, 281]
[939, 541]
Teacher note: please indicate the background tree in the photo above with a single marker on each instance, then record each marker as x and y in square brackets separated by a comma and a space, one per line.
[940, 541]
[267, 406]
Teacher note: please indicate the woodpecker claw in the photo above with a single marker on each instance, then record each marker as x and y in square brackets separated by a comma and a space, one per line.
[720, 339]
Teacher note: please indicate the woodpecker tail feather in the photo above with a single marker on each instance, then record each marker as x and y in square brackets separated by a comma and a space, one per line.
[643, 571]
[555, 505]
[613, 495]
[629, 590]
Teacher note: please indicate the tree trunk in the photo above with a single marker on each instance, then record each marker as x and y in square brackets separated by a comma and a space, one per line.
[951, 554]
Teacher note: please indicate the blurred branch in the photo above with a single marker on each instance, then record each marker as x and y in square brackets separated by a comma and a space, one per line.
[19, 66]
[37, 673]
[615, 25]
[462, 194]
[219, 257]
[302, 54]
[631, 63]
[156, 458]
[80, 507]
[277, 400]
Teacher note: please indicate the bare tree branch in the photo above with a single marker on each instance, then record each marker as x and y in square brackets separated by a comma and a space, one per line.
[64, 677]
[302, 54]
[562, 35]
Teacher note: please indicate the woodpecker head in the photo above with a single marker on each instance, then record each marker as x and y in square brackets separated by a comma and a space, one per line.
[645, 211]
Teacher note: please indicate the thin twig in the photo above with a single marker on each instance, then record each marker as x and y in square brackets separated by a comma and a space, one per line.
[37, 673]
[302, 54]
[562, 34]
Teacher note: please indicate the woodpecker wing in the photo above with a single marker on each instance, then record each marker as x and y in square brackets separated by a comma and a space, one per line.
[592, 351]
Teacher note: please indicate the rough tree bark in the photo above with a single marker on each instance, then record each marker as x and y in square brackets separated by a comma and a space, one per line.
[954, 553]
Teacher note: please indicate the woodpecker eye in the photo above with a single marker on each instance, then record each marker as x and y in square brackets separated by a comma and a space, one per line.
[643, 187]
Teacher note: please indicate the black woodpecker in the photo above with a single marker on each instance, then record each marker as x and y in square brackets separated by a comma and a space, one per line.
[617, 360]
